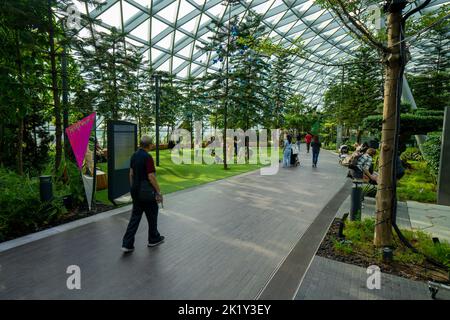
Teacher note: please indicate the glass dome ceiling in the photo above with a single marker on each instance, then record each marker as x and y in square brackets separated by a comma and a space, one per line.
[168, 32]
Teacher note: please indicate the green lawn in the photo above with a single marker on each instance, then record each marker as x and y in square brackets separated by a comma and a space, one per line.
[173, 177]
[417, 184]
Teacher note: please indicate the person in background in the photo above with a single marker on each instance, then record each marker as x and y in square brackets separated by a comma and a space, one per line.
[363, 147]
[287, 151]
[315, 146]
[299, 140]
[308, 139]
[142, 170]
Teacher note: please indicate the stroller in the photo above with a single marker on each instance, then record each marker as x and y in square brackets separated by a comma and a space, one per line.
[343, 152]
[294, 156]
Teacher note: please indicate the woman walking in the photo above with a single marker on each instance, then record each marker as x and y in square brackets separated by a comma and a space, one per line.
[287, 149]
[315, 146]
[299, 140]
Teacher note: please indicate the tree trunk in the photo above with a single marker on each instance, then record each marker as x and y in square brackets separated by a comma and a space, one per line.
[1, 145]
[57, 107]
[20, 146]
[384, 198]
[139, 128]
[358, 135]
[168, 134]
[192, 131]
[20, 115]
[65, 102]
[225, 109]
[116, 96]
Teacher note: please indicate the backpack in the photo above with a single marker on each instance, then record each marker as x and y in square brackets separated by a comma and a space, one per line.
[353, 160]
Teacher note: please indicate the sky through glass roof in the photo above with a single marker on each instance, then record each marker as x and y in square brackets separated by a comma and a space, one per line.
[169, 30]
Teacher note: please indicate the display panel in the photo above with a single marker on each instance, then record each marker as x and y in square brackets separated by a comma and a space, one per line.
[122, 143]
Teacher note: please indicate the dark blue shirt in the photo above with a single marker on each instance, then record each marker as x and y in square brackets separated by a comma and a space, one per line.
[316, 146]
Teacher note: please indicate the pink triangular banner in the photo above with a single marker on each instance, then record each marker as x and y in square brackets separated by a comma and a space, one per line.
[78, 135]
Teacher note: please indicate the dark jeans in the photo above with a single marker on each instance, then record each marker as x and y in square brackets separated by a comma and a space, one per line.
[151, 212]
[315, 156]
[308, 146]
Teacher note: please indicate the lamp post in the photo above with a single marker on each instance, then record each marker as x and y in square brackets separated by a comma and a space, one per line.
[157, 79]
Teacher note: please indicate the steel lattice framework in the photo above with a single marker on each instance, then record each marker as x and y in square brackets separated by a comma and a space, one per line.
[168, 31]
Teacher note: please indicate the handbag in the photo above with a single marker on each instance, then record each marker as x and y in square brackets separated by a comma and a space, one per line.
[146, 192]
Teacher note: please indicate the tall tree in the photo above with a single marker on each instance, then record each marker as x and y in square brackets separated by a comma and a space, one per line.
[111, 66]
[394, 57]
[356, 94]
[280, 86]
[23, 82]
[54, 77]
[429, 77]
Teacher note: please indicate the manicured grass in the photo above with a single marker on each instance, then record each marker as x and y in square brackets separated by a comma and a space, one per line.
[417, 184]
[175, 177]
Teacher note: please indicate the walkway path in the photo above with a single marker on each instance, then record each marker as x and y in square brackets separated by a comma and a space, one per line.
[224, 240]
[333, 280]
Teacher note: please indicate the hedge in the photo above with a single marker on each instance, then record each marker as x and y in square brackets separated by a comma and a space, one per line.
[409, 123]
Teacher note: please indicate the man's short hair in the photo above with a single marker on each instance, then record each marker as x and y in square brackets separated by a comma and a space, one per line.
[371, 151]
[145, 142]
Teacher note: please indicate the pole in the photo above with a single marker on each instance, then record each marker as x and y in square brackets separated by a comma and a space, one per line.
[356, 201]
[158, 97]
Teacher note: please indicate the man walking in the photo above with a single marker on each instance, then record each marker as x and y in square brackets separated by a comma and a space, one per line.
[142, 170]
[308, 139]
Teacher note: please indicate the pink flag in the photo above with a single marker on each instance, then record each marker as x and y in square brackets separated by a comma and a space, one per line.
[78, 135]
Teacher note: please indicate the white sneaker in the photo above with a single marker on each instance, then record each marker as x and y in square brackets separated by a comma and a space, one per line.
[127, 250]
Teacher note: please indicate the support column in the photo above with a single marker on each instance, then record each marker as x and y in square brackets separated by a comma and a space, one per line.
[444, 167]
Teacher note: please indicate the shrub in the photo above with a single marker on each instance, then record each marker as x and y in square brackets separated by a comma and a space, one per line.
[67, 181]
[360, 231]
[330, 146]
[432, 152]
[21, 209]
[417, 184]
[424, 244]
[411, 154]
[343, 246]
